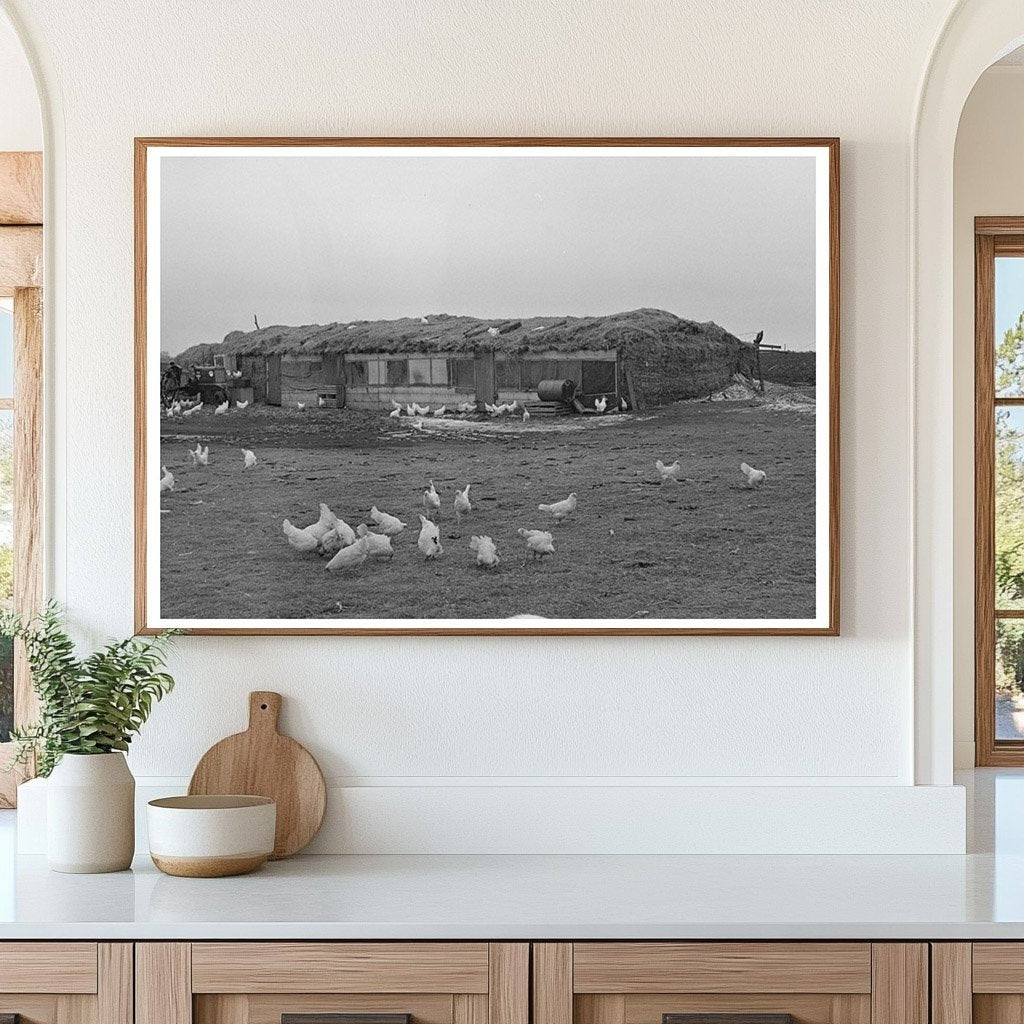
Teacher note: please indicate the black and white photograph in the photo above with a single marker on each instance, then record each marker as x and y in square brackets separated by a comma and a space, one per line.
[487, 386]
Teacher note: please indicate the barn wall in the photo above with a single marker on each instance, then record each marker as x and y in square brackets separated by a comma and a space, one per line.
[660, 377]
[535, 727]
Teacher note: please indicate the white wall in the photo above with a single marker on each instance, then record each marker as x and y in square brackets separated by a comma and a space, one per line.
[21, 127]
[463, 712]
[987, 181]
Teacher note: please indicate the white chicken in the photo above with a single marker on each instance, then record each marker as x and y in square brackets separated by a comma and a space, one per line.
[538, 542]
[512, 406]
[331, 542]
[249, 458]
[755, 477]
[494, 410]
[601, 404]
[560, 509]
[324, 524]
[418, 425]
[424, 320]
[462, 504]
[623, 405]
[201, 456]
[320, 401]
[302, 540]
[350, 557]
[395, 414]
[387, 524]
[378, 544]
[167, 480]
[486, 552]
[431, 500]
[440, 411]
[300, 405]
[190, 411]
[410, 411]
[395, 405]
[668, 474]
[430, 538]
[347, 534]
[493, 331]
[222, 408]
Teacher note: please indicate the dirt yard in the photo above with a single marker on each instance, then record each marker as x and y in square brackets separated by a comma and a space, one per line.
[706, 548]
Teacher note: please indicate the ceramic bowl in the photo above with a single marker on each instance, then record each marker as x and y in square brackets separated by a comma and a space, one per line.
[211, 836]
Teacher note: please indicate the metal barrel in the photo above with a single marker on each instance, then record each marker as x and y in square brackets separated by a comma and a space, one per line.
[556, 390]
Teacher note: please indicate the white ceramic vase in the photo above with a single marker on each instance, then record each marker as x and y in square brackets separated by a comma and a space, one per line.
[90, 814]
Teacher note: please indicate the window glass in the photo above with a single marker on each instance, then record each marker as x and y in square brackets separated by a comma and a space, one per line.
[398, 371]
[419, 371]
[1009, 679]
[1009, 327]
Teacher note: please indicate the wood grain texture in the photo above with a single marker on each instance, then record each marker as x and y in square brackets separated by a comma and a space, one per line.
[831, 144]
[467, 1009]
[508, 993]
[346, 1018]
[633, 967]
[599, 1009]
[32, 1009]
[817, 1008]
[998, 1009]
[163, 983]
[28, 483]
[269, 1008]
[899, 989]
[64, 967]
[21, 188]
[304, 967]
[225, 1009]
[951, 980]
[262, 762]
[552, 983]
[998, 967]
[115, 995]
[21, 259]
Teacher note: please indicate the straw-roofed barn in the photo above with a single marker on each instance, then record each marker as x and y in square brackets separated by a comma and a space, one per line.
[647, 356]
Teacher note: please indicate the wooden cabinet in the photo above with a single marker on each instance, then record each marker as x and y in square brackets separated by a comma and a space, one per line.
[66, 982]
[306, 982]
[755, 982]
[978, 983]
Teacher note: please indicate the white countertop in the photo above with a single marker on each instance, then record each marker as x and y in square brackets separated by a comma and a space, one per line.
[516, 897]
[977, 896]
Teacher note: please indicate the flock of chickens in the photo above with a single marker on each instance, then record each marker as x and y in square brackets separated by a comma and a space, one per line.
[347, 548]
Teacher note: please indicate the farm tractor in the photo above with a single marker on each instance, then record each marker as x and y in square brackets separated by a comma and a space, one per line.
[213, 384]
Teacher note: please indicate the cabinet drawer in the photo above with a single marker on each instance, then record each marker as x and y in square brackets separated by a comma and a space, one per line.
[730, 983]
[332, 983]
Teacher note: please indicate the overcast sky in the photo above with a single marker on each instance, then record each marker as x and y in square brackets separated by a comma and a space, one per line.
[301, 240]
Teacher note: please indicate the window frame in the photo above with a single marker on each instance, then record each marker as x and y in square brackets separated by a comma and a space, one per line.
[993, 237]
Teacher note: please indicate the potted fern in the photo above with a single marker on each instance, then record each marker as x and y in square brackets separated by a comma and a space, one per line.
[90, 708]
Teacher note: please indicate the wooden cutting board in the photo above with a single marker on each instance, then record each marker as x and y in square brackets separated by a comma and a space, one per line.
[262, 762]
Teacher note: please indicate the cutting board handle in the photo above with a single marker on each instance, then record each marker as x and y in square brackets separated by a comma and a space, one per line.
[264, 710]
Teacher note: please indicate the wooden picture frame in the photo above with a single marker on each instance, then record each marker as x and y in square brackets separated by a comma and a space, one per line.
[151, 154]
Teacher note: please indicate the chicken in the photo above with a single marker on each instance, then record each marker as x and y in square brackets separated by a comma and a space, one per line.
[755, 477]
[623, 405]
[410, 411]
[222, 408]
[601, 404]
[188, 412]
[387, 524]
[431, 500]
[422, 410]
[300, 405]
[331, 542]
[327, 522]
[486, 552]
[347, 534]
[538, 542]
[201, 456]
[467, 407]
[430, 538]
[494, 410]
[418, 425]
[395, 405]
[320, 401]
[395, 413]
[424, 320]
[493, 331]
[167, 480]
[526, 414]
[561, 509]
[440, 411]
[350, 557]
[249, 458]
[462, 505]
[512, 406]
[301, 540]
[377, 544]
[668, 474]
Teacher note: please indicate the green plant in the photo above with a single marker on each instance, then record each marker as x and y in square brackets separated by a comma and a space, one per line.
[90, 705]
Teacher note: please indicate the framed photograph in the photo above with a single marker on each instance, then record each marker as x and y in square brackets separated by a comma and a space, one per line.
[497, 386]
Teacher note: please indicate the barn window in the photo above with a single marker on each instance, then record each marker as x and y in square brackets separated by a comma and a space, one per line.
[419, 371]
[462, 374]
[439, 371]
[598, 377]
[507, 371]
[398, 371]
[357, 371]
